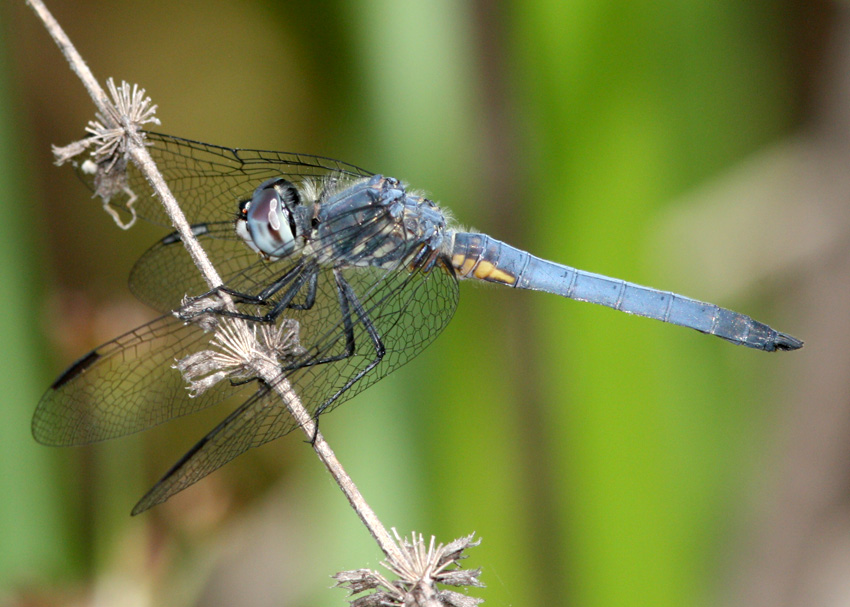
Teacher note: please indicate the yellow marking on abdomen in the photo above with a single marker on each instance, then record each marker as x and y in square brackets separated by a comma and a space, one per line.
[487, 271]
[463, 263]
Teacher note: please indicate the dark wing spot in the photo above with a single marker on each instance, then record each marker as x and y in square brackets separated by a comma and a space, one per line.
[76, 369]
[199, 229]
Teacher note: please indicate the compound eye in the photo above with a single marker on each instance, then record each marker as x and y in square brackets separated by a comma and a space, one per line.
[269, 223]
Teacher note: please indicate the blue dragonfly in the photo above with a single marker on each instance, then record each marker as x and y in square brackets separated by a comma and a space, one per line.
[351, 274]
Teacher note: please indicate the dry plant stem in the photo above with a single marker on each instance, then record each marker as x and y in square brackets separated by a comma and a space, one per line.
[138, 152]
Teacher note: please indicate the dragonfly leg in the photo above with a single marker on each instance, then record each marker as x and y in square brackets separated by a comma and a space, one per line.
[261, 298]
[286, 302]
[348, 297]
[308, 277]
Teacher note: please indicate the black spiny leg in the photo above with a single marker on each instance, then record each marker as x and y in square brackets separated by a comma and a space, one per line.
[348, 296]
[348, 331]
[298, 276]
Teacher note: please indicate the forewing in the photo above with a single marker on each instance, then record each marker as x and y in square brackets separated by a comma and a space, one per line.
[124, 386]
[165, 272]
[207, 180]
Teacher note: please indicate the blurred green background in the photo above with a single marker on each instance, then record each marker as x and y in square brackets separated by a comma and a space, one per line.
[604, 459]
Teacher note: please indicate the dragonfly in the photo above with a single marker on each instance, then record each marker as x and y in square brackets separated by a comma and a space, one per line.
[347, 274]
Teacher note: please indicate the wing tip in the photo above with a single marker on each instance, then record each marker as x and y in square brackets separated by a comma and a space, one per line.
[44, 426]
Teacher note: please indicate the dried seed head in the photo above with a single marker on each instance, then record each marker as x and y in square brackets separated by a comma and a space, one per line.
[418, 575]
[129, 111]
[236, 352]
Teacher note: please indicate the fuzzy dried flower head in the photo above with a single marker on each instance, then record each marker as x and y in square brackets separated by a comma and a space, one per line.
[237, 351]
[418, 575]
[107, 163]
[130, 111]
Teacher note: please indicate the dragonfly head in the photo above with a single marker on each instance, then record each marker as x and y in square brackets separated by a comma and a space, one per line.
[266, 222]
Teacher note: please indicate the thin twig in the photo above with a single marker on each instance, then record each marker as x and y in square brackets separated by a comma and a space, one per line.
[267, 372]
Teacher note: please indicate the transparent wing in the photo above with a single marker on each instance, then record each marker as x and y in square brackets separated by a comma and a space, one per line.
[124, 386]
[407, 310]
[165, 272]
[209, 180]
